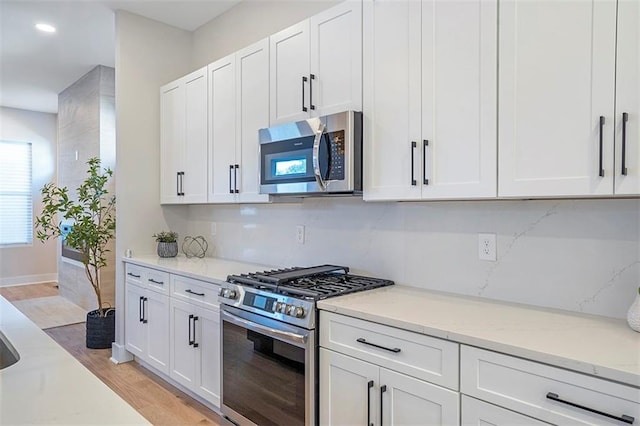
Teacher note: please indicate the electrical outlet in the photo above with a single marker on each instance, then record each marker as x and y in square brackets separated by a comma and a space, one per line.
[214, 228]
[487, 247]
[300, 234]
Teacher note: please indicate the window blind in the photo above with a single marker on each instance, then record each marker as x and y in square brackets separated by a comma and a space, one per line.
[16, 203]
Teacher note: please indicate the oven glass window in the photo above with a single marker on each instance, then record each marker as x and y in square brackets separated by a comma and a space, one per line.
[263, 378]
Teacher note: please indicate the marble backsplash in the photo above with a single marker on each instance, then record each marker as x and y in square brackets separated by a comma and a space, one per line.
[578, 255]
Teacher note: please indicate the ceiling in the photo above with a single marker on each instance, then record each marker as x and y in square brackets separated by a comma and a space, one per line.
[36, 66]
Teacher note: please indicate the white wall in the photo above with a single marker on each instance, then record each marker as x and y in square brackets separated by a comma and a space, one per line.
[247, 23]
[148, 55]
[579, 255]
[37, 262]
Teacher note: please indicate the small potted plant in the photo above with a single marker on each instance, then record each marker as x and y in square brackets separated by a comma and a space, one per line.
[167, 243]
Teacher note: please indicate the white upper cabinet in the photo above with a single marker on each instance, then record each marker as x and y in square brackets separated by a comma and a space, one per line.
[239, 107]
[183, 139]
[183, 135]
[316, 65]
[556, 97]
[627, 149]
[429, 99]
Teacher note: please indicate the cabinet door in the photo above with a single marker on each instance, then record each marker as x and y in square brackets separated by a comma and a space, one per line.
[194, 180]
[208, 339]
[222, 139]
[252, 114]
[409, 401]
[348, 390]
[135, 333]
[459, 99]
[391, 99]
[336, 59]
[183, 353]
[556, 79]
[172, 125]
[628, 98]
[157, 315]
[479, 413]
[289, 65]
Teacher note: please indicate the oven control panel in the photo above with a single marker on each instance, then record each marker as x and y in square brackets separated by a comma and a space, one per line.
[263, 302]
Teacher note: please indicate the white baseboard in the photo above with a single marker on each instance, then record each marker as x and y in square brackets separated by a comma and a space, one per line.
[28, 279]
[119, 354]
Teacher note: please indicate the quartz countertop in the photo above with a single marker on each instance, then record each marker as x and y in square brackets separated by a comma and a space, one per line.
[599, 346]
[49, 386]
[209, 269]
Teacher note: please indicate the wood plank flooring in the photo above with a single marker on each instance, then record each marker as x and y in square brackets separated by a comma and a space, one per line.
[158, 401]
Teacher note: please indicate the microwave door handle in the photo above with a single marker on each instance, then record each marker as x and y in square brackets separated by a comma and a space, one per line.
[316, 158]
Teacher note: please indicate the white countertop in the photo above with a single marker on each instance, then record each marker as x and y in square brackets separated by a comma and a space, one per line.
[49, 386]
[208, 269]
[600, 346]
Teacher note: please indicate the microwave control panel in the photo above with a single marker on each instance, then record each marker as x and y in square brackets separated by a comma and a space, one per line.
[336, 154]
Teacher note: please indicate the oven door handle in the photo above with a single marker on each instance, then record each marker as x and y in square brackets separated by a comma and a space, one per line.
[285, 336]
[316, 158]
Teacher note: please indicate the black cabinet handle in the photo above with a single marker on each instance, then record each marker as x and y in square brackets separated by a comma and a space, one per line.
[304, 80]
[363, 341]
[311, 78]
[624, 418]
[369, 386]
[178, 183]
[413, 150]
[230, 173]
[156, 282]
[425, 144]
[131, 274]
[195, 344]
[600, 168]
[235, 177]
[383, 389]
[141, 309]
[144, 310]
[625, 118]
[182, 183]
[191, 341]
[193, 292]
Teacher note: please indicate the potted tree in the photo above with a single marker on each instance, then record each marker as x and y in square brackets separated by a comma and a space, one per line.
[94, 225]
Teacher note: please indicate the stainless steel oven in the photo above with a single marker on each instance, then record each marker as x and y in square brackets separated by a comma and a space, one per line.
[268, 370]
[269, 342]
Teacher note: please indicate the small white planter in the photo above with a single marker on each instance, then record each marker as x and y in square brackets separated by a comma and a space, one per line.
[633, 316]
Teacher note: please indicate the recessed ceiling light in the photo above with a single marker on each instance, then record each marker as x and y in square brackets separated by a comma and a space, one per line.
[46, 28]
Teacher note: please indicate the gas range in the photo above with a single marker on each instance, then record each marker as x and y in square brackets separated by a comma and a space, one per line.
[290, 294]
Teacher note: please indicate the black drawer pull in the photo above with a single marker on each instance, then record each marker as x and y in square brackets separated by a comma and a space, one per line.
[600, 167]
[624, 418]
[133, 275]
[193, 292]
[625, 118]
[156, 282]
[369, 386]
[394, 350]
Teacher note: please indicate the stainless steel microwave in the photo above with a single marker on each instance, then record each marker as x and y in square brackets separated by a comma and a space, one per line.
[317, 156]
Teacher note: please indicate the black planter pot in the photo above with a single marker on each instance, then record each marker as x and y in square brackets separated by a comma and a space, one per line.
[101, 331]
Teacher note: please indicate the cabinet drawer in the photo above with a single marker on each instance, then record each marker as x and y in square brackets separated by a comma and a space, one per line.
[417, 355]
[134, 274]
[526, 387]
[195, 291]
[477, 413]
[157, 280]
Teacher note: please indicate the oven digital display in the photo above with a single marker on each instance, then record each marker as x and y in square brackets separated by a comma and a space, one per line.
[259, 302]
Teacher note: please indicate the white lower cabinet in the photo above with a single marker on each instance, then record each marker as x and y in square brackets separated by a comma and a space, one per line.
[172, 323]
[147, 325]
[361, 382]
[195, 349]
[548, 393]
[480, 413]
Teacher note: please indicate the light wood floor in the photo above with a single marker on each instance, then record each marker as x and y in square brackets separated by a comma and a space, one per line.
[155, 399]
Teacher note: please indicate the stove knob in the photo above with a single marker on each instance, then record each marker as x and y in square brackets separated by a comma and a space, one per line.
[279, 307]
[232, 294]
[299, 312]
[228, 293]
